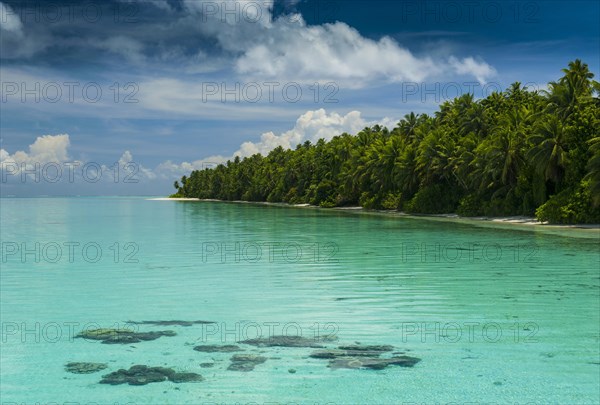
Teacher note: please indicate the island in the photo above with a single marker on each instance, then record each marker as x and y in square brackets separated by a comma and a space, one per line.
[518, 152]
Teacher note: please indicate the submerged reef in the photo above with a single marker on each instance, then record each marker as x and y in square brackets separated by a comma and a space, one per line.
[346, 356]
[84, 368]
[289, 341]
[142, 375]
[170, 323]
[359, 356]
[217, 348]
[245, 362]
[122, 336]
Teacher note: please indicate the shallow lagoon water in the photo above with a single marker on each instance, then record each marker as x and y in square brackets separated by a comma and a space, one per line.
[496, 315]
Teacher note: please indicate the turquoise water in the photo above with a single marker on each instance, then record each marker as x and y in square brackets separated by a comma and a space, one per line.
[500, 315]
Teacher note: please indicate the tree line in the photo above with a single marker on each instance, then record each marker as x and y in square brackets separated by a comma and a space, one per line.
[516, 152]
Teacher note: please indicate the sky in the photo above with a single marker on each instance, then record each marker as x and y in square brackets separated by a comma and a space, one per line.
[122, 97]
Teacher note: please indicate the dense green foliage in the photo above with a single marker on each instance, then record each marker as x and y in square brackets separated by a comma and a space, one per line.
[518, 152]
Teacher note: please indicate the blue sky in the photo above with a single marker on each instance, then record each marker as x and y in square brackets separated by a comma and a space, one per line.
[163, 87]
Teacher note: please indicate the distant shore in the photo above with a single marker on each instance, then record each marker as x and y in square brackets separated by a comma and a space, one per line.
[509, 222]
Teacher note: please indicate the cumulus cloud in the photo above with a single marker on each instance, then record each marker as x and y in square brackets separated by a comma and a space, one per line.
[288, 49]
[246, 38]
[258, 46]
[132, 168]
[310, 126]
[54, 149]
[171, 170]
[45, 149]
[331, 52]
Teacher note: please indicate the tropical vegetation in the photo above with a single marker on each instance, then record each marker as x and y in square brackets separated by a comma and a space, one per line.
[516, 152]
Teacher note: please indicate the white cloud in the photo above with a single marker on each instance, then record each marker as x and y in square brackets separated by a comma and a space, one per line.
[132, 168]
[260, 47]
[3, 155]
[54, 149]
[287, 49]
[256, 46]
[331, 52]
[171, 170]
[45, 149]
[481, 70]
[9, 20]
[310, 126]
[15, 41]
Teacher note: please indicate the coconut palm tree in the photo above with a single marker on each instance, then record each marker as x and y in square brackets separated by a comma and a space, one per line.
[574, 87]
[408, 125]
[550, 151]
[593, 167]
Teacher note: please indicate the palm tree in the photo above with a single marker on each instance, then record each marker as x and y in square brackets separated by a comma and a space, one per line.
[462, 158]
[549, 153]
[474, 120]
[433, 156]
[574, 87]
[390, 156]
[500, 158]
[579, 77]
[408, 125]
[593, 167]
[407, 173]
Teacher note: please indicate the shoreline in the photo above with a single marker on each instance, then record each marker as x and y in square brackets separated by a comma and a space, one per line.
[507, 222]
